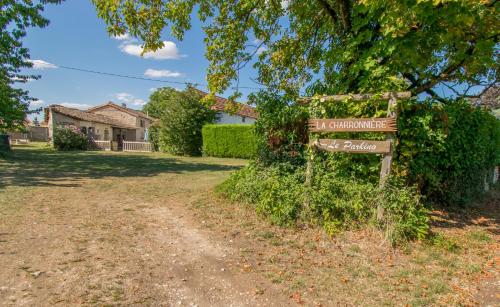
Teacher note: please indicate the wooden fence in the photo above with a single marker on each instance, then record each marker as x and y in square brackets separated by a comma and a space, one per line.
[137, 146]
[99, 145]
[18, 138]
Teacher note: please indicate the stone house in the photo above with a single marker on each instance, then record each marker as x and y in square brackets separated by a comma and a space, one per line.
[107, 122]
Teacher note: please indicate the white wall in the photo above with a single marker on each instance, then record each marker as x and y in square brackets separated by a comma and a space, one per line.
[225, 118]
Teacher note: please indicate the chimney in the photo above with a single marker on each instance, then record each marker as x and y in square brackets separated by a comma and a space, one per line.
[124, 104]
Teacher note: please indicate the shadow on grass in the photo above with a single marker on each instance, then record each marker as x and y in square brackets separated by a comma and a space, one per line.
[485, 212]
[32, 166]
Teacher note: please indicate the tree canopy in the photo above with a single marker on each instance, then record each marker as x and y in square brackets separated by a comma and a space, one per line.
[329, 46]
[15, 17]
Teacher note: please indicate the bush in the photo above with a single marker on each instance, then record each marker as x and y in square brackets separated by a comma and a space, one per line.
[404, 216]
[332, 201]
[229, 141]
[275, 191]
[281, 129]
[181, 117]
[69, 138]
[447, 150]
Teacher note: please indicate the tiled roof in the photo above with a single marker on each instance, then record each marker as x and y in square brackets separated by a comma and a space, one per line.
[241, 109]
[121, 108]
[89, 117]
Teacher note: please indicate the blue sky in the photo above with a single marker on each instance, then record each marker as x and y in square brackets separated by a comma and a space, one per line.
[77, 38]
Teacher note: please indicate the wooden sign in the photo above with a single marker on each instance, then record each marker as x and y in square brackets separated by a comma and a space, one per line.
[353, 125]
[353, 146]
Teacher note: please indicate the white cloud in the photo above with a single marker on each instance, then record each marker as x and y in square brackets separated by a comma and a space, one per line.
[129, 99]
[37, 102]
[153, 89]
[81, 106]
[17, 79]
[122, 37]
[169, 51]
[154, 73]
[41, 64]
[261, 50]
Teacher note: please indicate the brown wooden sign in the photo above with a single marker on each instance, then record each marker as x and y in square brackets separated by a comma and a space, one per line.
[353, 146]
[353, 125]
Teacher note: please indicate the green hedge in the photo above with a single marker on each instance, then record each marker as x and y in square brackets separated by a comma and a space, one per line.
[447, 150]
[229, 141]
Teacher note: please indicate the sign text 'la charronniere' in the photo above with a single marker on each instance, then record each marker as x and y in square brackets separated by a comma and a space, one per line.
[353, 125]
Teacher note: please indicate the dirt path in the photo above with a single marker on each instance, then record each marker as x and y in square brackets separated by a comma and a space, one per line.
[119, 241]
[107, 229]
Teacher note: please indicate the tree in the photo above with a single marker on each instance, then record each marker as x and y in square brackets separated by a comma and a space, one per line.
[332, 46]
[15, 17]
[181, 116]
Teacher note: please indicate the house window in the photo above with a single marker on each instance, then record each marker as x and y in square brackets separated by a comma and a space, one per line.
[141, 123]
[106, 134]
[243, 119]
[218, 117]
[83, 130]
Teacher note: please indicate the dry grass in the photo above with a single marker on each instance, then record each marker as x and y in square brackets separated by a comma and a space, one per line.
[457, 266]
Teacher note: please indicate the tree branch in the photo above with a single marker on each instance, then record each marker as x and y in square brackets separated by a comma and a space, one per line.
[345, 8]
[329, 10]
[445, 73]
[415, 84]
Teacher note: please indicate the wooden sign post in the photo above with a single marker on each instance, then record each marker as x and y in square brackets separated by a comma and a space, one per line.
[385, 170]
[387, 125]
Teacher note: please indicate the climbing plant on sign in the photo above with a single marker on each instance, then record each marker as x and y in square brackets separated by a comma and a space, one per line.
[378, 124]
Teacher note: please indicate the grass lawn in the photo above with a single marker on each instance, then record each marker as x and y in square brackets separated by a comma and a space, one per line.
[82, 204]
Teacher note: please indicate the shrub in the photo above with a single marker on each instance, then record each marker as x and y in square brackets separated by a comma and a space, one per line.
[404, 216]
[331, 201]
[447, 150]
[281, 129]
[231, 141]
[275, 191]
[69, 138]
[181, 117]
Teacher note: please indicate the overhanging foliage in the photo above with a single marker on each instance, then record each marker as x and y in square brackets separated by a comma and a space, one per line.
[337, 46]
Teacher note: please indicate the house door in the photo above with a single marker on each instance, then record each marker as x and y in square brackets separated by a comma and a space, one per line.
[119, 140]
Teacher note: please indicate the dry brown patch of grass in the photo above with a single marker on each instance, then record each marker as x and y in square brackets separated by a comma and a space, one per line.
[358, 267]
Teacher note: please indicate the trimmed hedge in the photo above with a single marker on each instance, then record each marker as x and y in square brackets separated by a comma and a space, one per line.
[229, 141]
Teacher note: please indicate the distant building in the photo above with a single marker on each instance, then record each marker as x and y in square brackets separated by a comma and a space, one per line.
[107, 122]
[240, 113]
